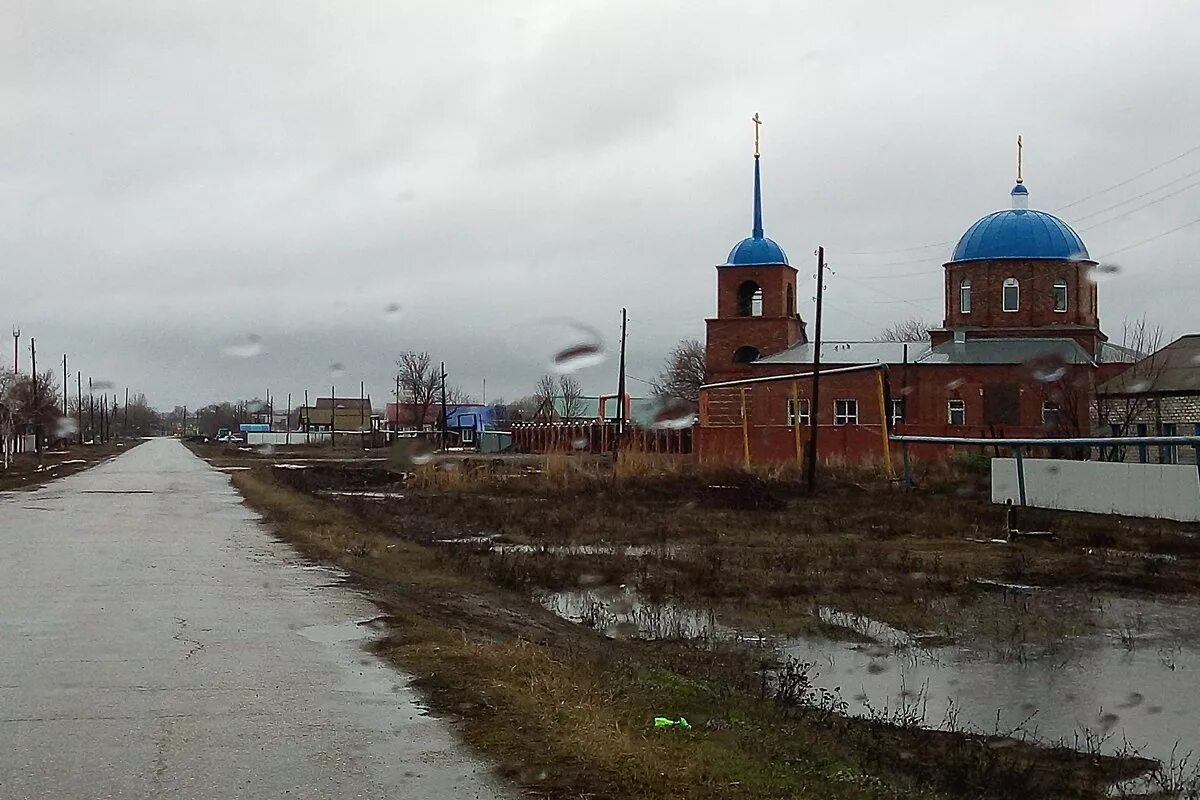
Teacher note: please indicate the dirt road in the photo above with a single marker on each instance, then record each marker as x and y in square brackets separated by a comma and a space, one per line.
[156, 642]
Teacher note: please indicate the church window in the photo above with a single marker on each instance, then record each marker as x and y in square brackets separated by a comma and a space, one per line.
[956, 412]
[964, 296]
[845, 412]
[1060, 295]
[750, 299]
[797, 411]
[897, 412]
[791, 301]
[1012, 294]
[745, 354]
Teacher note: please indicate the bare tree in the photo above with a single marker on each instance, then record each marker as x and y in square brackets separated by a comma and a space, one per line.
[544, 394]
[420, 382]
[906, 330]
[682, 373]
[572, 397]
[1129, 398]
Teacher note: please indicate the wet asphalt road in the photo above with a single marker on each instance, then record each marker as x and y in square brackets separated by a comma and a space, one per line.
[155, 642]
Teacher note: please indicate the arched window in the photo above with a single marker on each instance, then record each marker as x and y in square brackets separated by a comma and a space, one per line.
[1060, 295]
[1011, 294]
[791, 301]
[964, 296]
[745, 354]
[750, 299]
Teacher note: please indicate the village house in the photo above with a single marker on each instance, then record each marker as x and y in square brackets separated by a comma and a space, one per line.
[347, 414]
[1019, 352]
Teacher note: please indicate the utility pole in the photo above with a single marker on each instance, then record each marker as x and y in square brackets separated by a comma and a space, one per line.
[815, 411]
[16, 350]
[307, 416]
[79, 403]
[362, 414]
[395, 424]
[332, 415]
[621, 388]
[66, 385]
[33, 395]
[125, 424]
[287, 426]
[444, 406]
[91, 412]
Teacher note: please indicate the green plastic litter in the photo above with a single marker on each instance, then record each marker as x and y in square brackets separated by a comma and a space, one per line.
[667, 722]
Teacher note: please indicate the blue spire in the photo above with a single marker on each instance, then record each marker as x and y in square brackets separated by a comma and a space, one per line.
[758, 228]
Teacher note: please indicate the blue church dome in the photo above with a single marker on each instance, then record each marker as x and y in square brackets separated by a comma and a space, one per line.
[1019, 232]
[758, 249]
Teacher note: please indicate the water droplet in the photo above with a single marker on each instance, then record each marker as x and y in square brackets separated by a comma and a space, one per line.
[249, 347]
[1108, 721]
[623, 630]
[957, 383]
[580, 443]
[587, 580]
[336, 370]
[1103, 271]
[102, 386]
[1139, 386]
[673, 413]
[267, 450]
[1049, 375]
[392, 311]
[65, 426]
[578, 356]
[876, 667]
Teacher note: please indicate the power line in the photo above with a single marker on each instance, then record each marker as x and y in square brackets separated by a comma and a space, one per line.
[1139, 208]
[1139, 196]
[1141, 174]
[1152, 238]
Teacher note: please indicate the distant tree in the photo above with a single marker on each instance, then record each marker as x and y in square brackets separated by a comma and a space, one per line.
[907, 330]
[572, 397]
[420, 382]
[682, 373]
[522, 409]
[544, 394]
[1132, 400]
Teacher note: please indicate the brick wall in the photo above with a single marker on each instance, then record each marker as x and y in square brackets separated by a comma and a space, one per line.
[1036, 280]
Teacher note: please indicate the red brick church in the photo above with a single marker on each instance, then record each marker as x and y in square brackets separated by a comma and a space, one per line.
[1019, 352]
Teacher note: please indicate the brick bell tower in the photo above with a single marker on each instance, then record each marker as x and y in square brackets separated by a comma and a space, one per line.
[756, 300]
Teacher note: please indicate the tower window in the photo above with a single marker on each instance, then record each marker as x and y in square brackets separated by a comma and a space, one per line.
[1060, 295]
[964, 296]
[791, 301]
[956, 412]
[745, 354]
[897, 412]
[750, 299]
[1012, 294]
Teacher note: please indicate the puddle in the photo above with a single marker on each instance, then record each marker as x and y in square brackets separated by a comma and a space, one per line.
[619, 612]
[1107, 691]
[629, 550]
[339, 632]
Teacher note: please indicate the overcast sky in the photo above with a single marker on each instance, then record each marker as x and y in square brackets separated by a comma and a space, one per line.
[177, 177]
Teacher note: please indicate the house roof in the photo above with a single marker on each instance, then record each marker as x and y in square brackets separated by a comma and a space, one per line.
[1175, 369]
[1007, 351]
[354, 403]
[850, 353]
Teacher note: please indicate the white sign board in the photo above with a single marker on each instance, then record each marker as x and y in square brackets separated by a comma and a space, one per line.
[1162, 491]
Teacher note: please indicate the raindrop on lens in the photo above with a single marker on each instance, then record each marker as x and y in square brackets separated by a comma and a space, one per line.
[102, 385]
[580, 444]
[578, 356]
[336, 370]
[1049, 375]
[673, 413]
[391, 310]
[65, 426]
[1102, 271]
[249, 347]
[957, 383]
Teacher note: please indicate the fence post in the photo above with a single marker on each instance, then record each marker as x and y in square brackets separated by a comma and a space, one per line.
[1020, 474]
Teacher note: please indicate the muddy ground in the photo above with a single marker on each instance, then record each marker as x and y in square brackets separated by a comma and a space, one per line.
[566, 710]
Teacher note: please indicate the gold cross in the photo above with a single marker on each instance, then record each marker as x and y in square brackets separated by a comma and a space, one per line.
[757, 123]
[1019, 146]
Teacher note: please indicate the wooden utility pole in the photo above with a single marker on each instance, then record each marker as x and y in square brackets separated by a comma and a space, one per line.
[307, 417]
[444, 420]
[125, 424]
[332, 416]
[287, 426]
[66, 385]
[33, 395]
[815, 411]
[395, 424]
[91, 412]
[16, 350]
[79, 403]
[621, 387]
